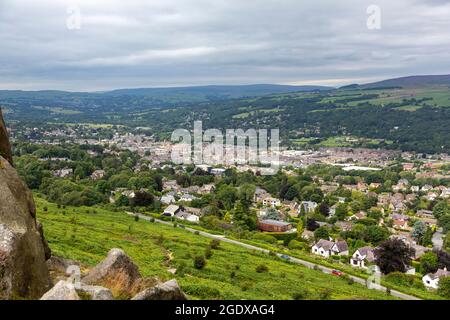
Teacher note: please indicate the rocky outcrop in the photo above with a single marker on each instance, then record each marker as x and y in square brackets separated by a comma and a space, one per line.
[118, 273]
[95, 292]
[169, 290]
[63, 290]
[23, 272]
[5, 148]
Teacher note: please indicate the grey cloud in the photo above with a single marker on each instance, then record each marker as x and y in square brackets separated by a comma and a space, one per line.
[188, 42]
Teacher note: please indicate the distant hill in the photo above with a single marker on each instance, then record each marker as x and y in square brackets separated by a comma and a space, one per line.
[222, 92]
[410, 82]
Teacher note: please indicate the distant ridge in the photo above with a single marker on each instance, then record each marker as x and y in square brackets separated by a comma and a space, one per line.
[230, 91]
[407, 82]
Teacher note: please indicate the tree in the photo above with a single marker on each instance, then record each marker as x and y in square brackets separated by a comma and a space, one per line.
[427, 238]
[227, 195]
[273, 214]
[246, 193]
[321, 233]
[440, 209]
[141, 199]
[311, 225]
[393, 255]
[122, 201]
[324, 209]
[419, 230]
[292, 193]
[444, 222]
[199, 262]
[243, 217]
[444, 287]
[443, 259]
[341, 211]
[375, 234]
[428, 263]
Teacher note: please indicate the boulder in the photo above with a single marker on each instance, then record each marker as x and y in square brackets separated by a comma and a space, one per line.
[5, 147]
[169, 290]
[95, 292]
[63, 290]
[23, 271]
[118, 273]
[60, 265]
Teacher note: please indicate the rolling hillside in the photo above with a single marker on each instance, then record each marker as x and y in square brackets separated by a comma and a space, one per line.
[87, 234]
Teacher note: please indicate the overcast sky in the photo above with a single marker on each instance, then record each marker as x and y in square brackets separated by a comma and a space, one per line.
[132, 43]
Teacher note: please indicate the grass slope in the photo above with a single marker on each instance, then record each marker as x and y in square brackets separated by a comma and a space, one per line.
[87, 234]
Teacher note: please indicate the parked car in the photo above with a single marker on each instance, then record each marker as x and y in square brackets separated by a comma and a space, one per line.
[337, 273]
[286, 257]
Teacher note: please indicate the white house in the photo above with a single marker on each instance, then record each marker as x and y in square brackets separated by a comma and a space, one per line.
[187, 197]
[326, 248]
[340, 248]
[308, 206]
[431, 280]
[171, 210]
[271, 202]
[182, 215]
[322, 248]
[362, 257]
[167, 199]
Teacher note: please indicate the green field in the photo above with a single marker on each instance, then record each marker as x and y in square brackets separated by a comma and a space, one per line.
[87, 234]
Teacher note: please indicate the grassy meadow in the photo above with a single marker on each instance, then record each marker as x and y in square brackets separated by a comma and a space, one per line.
[87, 234]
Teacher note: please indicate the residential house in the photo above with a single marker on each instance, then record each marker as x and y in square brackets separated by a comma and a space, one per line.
[431, 196]
[344, 225]
[400, 224]
[326, 248]
[186, 197]
[274, 226]
[167, 199]
[183, 215]
[260, 194]
[98, 174]
[271, 202]
[308, 206]
[218, 171]
[362, 257]
[170, 185]
[63, 173]
[308, 235]
[358, 216]
[431, 280]
[172, 210]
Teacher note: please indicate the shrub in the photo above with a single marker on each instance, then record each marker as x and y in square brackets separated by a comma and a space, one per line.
[262, 268]
[208, 253]
[232, 274]
[324, 294]
[45, 209]
[295, 245]
[199, 262]
[181, 268]
[215, 244]
[444, 287]
[136, 218]
[402, 279]
[302, 294]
